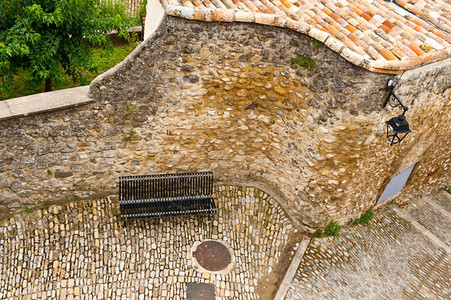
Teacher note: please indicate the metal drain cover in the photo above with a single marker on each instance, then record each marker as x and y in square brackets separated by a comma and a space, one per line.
[200, 291]
[212, 256]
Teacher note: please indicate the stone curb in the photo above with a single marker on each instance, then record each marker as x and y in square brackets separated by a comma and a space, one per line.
[291, 272]
[43, 102]
[380, 65]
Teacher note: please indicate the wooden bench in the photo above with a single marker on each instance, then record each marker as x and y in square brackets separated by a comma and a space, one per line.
[166, 195]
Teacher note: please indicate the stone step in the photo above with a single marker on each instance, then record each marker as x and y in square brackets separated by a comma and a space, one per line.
[432, 213]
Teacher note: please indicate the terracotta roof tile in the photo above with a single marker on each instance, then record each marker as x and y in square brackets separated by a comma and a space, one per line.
[286, 3]
[326, 10]
[341, 36]
[356, 10]
[384, 28]
[408, 51]
[197, 3]
[416, 49]
[353, 22]
[362, 44]
[353, 37]
[366, 16]
[398, 53]
[229, 4]
[271, 7]
[352, 46]
[374, 53]
[318, 19]
[374, 30]
[362, 27]
[350, 28]
[435, 12]
[251, 6]
[401, 2]
[389, 24]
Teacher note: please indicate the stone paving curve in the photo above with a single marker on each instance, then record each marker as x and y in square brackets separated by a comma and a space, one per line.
[82, 251]
[390, 259]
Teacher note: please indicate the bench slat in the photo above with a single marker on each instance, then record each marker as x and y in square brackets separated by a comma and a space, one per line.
[169, 199]
[166, 195]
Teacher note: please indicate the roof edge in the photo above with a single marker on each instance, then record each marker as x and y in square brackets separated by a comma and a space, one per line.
[378, 66]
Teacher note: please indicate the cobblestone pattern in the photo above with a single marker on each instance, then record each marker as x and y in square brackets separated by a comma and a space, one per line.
[387, 260]
[432, 219]
[443, 199]
[431, 213]
[81, 251]
[439, 282]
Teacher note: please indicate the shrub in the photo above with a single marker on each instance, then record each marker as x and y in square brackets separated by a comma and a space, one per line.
[111, 9]
[365, 217]
[319, 233]
[142, 8]
[332, 229]
[53, 38]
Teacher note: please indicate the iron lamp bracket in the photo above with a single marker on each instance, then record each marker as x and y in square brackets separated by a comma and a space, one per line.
[393, 99]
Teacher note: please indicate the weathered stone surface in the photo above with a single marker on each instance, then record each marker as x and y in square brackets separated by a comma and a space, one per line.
[62, 174]
[242, 110]
[98, 257]
[390, 259]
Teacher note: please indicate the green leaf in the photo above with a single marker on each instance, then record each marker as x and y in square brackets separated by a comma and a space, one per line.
[51, 38]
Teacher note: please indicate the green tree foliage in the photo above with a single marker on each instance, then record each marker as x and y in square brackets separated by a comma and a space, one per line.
[48, 36]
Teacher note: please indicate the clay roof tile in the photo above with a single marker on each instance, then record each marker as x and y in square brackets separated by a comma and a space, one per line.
[416, 49]
[406, 50]
[373, 31]
[228, 4]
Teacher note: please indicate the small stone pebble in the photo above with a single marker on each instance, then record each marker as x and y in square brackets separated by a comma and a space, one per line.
[83, 249]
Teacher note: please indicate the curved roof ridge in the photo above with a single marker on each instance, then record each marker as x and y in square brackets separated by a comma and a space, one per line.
[372, 34]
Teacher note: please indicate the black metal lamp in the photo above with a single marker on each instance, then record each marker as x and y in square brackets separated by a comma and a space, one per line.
[397, 127]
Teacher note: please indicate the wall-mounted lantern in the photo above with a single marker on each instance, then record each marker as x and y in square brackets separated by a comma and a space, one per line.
[397, 127]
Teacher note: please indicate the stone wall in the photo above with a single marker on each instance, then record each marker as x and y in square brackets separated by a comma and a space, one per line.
[427, 93]
[225, 97]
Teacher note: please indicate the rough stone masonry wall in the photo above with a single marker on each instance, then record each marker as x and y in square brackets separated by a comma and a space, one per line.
[427, 91]
[225, 97]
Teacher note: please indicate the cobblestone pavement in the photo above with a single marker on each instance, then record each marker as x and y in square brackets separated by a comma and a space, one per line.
[81, 250]
[433, 217]
[390, 259]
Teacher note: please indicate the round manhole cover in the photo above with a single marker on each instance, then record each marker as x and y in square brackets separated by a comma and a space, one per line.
[212, 256]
